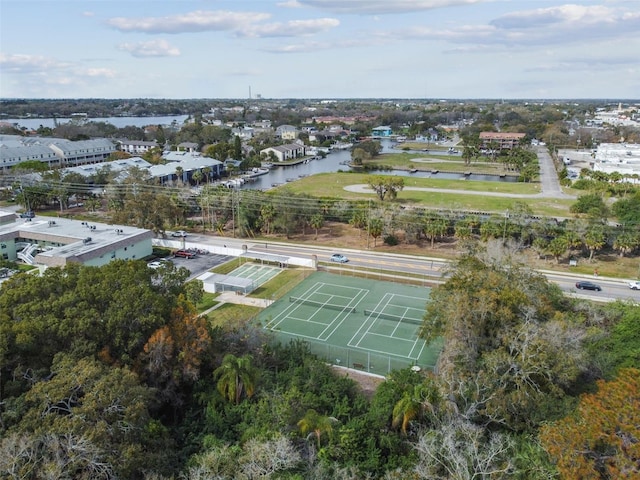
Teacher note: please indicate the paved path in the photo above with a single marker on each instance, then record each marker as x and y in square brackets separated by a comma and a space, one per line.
[548, 181]
[232, 297]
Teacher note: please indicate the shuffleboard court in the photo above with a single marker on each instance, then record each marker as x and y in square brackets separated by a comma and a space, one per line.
[355, 322]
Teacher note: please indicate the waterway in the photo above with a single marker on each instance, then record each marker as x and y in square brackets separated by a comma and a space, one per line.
[118, 122]
[338, 160]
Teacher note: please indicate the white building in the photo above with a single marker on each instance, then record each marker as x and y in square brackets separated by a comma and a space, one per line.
[55, 242]
[286, 152]
[54, 152]
[623, 158]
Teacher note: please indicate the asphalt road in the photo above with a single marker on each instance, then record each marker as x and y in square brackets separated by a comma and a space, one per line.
[430, 270]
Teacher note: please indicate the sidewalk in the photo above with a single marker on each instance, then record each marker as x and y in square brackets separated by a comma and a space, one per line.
[232, 297]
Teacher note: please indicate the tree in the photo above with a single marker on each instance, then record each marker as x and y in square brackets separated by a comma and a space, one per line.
[435, 227]
[386, 186]
[413, 404]
[558, 247]
[197, 176]
[601, 439]
[509, 355]
[179, 173]
[316, 222]
[108, 406]
[316, 424]
[594, 239]
[591, 204]
[626, 242]
[375, 229]
[459, 450]
[236, 376]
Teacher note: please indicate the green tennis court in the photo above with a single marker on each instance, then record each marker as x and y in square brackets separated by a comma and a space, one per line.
[355, 322]
[258, 273]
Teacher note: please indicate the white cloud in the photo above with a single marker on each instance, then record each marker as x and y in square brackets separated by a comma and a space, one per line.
[27, 64]
[568, 15]
[566, 24]
[376, 7]
[289, 4]
[198, 21]
[153, 48]
[35, 71]
[293, 28]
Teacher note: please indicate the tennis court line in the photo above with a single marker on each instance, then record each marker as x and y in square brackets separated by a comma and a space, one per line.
[362, 293]
[287, 313]
[372, 320]
[284, 314]
[364, 325]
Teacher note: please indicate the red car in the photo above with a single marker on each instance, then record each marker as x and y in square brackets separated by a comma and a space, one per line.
[184, 254]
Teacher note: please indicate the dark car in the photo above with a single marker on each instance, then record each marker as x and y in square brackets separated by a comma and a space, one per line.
[588, 286]
[27, 214]
[184, 254]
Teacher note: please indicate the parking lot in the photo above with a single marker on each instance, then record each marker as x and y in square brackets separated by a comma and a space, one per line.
[201, 263]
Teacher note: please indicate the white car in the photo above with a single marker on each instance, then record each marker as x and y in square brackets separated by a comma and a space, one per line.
[634, 285]
[179, 233]
[158, 263]
[336, 257]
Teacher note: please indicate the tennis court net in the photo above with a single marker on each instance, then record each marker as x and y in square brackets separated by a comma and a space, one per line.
[390, 316]
[315, 303]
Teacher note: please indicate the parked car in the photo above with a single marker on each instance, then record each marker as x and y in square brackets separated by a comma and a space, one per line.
[179, 233]
[336, 257]
[158, 263]
[27, 214]
[184, 254]
[634, 285]
[584, 285]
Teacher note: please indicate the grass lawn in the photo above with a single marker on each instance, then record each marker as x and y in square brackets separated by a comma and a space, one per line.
[208, 301]
[232, 315]
[444, 163]
[277, 286]
[333, 185]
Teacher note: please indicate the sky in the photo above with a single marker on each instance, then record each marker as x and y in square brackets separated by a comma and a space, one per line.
[490, 49]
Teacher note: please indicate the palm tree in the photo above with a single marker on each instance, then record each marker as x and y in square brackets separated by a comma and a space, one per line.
[197, 176]
[207, 173]
[412, 405]
[594, 240]
[179, 172]
[435, 227]
[316, 424]
[316, 223]
[236, 376]
[626, 242]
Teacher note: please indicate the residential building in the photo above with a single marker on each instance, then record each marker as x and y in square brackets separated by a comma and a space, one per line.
[188, 163]
[136, 147]
[382, 131]
[54, 152]
[287, 132]
[503, 140]
[286, 152]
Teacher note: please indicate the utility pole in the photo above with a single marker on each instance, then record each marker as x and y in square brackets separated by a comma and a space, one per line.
[368, 221]
[504, 231]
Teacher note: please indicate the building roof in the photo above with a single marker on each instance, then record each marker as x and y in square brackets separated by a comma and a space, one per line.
[81, 241]
[115, 166]
[501, 136]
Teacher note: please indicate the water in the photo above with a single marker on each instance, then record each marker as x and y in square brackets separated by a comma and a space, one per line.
[338, 160]
[118, 122]
[279, 175]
